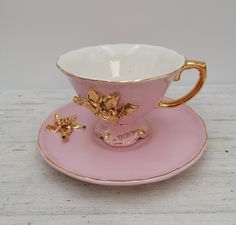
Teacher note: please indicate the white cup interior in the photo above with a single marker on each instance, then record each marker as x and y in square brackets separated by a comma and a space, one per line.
[120, 62]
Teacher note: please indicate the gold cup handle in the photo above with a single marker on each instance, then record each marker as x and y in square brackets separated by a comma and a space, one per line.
[189, 64]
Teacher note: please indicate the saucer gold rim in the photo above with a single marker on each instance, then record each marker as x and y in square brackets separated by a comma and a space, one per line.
[121, 182]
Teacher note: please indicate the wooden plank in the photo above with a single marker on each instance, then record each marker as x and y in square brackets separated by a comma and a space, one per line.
[125, 219]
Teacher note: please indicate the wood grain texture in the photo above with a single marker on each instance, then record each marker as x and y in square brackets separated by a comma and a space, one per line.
[31, 192]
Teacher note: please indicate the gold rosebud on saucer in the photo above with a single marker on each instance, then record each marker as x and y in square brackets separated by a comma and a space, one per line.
[65, 125]
[106, 107]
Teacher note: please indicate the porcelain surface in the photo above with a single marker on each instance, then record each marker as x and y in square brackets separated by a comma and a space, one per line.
[178, 140]
[120, 62]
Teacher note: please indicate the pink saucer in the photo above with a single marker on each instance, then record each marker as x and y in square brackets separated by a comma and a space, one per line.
[178, 140]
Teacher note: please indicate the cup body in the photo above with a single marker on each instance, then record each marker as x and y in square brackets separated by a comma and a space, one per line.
[121, 83]
[144, 94]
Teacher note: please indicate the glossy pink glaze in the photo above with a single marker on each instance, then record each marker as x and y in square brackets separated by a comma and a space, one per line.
[145, 94]
[178, 140]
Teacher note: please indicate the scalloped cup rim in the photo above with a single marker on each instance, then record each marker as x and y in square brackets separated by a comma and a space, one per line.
[179, 62]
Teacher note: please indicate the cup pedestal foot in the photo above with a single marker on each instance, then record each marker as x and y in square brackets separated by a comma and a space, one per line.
[121, 135]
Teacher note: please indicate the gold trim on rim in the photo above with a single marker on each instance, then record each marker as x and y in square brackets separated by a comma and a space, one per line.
[129, 182]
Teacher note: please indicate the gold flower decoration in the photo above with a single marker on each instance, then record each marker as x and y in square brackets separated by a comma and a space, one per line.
[106, 107]
[65, 125]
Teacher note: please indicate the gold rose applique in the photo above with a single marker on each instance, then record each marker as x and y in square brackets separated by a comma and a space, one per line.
[65, 125]
[106, 107]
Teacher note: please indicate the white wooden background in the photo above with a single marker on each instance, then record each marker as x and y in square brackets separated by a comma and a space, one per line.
[32, 193]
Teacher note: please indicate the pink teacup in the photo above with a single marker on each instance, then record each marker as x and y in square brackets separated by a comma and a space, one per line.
[121, 83]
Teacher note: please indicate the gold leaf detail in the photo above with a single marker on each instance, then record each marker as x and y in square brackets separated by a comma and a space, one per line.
[51, 128]
[64, 125]
[111, 101]
[127, 109]
[79, 100]
[93, 96]
[106, 107]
